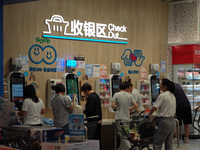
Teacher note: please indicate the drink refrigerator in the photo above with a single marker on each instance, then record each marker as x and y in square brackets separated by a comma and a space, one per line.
[188, 76]
[186, 72]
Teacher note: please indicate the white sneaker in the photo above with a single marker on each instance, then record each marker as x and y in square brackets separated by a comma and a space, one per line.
[174, 141]
[186, 140]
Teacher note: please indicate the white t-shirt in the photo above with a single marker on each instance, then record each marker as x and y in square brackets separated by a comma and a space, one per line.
[137, 98]
[33, 109]
[123, 101]
[166, 104]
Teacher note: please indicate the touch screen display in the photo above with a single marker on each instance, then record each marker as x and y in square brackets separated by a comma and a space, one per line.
[17, 83]
[155, 89]
[116, 81]
[72, 87]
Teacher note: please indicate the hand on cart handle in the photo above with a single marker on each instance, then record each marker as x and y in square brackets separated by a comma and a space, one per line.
[153, 118]
[150, 117]
[141, 112]
[130, 110]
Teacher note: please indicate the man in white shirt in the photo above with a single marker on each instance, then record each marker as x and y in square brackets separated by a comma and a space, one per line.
[136, 95]
[122, 101]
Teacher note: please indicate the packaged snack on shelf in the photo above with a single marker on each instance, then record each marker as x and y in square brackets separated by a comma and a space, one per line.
[181, 75]
[188, 75]
[196, 75]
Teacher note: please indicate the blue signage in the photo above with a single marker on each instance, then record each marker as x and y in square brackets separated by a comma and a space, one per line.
[133, 72]
[71, 63]
[35, 69]
[129, 57]
[121, 74]
[37, 52]
[78, 73]
[25, 73]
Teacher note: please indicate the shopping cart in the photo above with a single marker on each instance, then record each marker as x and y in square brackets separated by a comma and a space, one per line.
[140, 132]
[196, 124]
[19, 138]
[196, 119]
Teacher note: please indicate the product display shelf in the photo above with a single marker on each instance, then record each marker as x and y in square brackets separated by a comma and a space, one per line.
[5, 89]
[190, 81]
[103, 89]
[143, 87]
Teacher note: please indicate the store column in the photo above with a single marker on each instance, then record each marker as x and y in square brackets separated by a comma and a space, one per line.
[1, 48]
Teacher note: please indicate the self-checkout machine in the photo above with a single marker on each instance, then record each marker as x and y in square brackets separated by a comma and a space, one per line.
[154, 89]
[115, 81]
[76, 119]
[16, 83]
[70, 80]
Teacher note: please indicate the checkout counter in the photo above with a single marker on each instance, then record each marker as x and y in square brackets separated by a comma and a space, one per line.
[108, 134]
[107, 138]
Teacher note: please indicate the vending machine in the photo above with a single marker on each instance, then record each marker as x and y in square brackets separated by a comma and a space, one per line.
[16, 84]
[154, 87]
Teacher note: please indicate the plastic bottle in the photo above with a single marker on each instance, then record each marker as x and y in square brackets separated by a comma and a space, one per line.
[47, 121]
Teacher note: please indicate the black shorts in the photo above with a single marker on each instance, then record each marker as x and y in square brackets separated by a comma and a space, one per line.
[184, 115]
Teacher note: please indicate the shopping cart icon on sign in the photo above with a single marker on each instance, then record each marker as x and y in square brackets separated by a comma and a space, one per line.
[56, 24]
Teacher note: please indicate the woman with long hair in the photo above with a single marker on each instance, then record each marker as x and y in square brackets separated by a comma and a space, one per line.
[32, 107]
[166, 107]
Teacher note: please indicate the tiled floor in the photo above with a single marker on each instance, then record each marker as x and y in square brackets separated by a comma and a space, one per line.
[194, 144]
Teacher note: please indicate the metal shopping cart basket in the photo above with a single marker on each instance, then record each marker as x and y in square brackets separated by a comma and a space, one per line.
[19, 138]
[140, 133]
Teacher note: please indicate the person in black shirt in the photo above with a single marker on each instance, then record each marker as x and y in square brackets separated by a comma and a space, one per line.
[183, 111]
[93, 111]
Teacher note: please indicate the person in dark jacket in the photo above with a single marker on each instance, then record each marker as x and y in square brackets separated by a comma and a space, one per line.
[93, 110]
[183, 110]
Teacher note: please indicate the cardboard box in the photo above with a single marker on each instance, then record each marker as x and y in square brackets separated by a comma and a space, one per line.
[76, 127]
[65, 145]
[45, 134]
